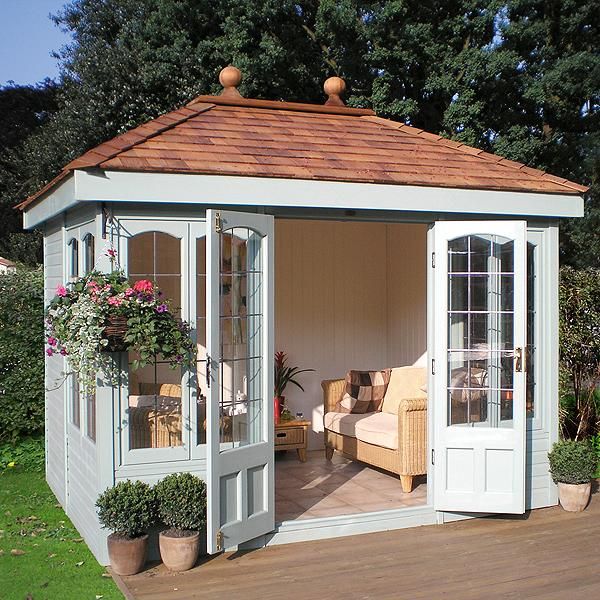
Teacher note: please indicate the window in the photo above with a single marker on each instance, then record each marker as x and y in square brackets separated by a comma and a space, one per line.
[75, 402]
[88, 253]
[73, 258]
[91, 416]
[155, 392]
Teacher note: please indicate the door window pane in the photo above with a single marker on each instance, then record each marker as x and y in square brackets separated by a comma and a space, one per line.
[241, 320]
[202, 391]
[480, 330]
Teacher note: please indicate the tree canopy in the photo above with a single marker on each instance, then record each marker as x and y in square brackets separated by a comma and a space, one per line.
[519, 78]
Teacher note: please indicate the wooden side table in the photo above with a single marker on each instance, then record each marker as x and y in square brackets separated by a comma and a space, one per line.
[292, 435]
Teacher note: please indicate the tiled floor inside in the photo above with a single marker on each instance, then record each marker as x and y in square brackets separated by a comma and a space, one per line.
[319, 488]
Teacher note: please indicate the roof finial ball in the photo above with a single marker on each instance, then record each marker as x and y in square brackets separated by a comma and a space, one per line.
[230, 77]
[334, 88]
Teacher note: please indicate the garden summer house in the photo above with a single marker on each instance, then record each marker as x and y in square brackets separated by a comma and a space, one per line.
[350, 242]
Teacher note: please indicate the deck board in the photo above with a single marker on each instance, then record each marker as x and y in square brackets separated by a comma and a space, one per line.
[548, 554]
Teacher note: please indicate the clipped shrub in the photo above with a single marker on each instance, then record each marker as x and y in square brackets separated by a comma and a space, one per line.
[572, 462]
[21, 354]
[128, 508]
[181, 499]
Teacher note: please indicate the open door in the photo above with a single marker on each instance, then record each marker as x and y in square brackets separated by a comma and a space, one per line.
[240, 462]
[479, 366]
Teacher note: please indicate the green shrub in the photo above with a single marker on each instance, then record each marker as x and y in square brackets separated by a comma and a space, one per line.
[595, 443]
[181, 501]
[25, 455]
[128, 508]
[579, 324]
[572, 462]
[21, 354]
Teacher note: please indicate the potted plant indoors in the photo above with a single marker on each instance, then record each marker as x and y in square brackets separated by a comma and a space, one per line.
[181, 501]
[284, 374]
[128, 509]
[104, 312]
[572, 466]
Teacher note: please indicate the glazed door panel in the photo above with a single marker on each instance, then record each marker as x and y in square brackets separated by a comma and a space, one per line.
[239, 377]
[479, 366]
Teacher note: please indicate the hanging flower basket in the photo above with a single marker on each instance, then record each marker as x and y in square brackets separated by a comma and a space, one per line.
[102, 313]
[115, 332]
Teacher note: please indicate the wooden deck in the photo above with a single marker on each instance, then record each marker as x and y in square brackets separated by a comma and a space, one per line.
[547, 554]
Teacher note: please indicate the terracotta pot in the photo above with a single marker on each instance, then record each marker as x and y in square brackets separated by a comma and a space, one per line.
[127, 555]
[574, 497]
[179, 553]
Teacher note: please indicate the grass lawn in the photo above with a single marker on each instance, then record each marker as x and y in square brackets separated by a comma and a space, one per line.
[42, 555]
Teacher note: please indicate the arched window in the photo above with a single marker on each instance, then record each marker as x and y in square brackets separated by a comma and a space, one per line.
[88, 253]
[73, 258]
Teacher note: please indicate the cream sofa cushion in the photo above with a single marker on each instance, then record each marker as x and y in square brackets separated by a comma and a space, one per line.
[405, 382]
[344, 423]
[380, 429]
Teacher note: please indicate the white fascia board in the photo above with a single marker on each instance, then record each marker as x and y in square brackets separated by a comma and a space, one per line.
[60, 199]
[109, 186]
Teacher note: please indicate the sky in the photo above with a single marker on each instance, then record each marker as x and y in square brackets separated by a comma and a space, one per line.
[27, 38]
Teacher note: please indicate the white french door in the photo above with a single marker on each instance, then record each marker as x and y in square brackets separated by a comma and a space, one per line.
[239, 378]
[479, 369]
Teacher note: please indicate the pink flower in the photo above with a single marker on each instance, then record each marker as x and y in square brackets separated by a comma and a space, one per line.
[52, 341]
[63, 351]
[49, 351]
[61, 291]
[111, 252]
[129, 292]
[114, 301]
[144, 286]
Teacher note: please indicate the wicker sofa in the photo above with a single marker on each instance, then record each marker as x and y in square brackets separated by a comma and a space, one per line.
[394, 438]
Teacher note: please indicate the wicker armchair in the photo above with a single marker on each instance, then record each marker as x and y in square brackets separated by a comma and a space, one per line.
[409, 458]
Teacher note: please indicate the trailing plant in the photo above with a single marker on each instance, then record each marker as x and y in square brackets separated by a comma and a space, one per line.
[579, 324]
[285, 374]
[79, 313]
[21, 354]
[595, 443]
[572, 461]
[181, 499]
[128, 508]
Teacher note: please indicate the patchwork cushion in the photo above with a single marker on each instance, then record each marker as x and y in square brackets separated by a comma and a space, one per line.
[364, 391]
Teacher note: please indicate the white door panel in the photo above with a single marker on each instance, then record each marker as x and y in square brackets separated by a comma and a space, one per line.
[479, 389]
[240, 377]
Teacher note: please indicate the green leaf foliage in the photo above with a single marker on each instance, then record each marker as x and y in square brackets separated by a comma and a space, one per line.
[128, 508]
[572, 462]
[518, 78]
[181, 501]
[21, 354]
[579, 328]
[26, 455]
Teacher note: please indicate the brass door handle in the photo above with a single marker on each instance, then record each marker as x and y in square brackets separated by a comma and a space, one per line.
[518, 360]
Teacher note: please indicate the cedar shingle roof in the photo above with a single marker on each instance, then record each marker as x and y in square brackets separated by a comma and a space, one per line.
[217, 135]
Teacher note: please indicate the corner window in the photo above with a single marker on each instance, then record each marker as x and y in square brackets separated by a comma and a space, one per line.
[75, 402]
[88, 253]
[73, 254]
[91, 416]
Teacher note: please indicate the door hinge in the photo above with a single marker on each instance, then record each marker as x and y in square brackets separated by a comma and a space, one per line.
[433, 260]
[218, 222]
[219, 541]
[432, 456]
[433, 366]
